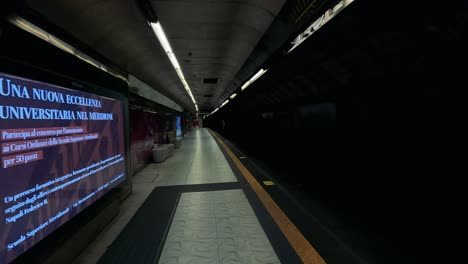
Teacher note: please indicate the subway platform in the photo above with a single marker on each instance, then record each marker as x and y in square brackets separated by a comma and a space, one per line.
[200, 206]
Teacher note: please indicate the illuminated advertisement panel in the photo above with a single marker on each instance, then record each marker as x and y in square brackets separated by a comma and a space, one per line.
[61, 150]
[178, 126]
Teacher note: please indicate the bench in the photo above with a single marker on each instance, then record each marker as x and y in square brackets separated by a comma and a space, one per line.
[162, 152]
[178, 143]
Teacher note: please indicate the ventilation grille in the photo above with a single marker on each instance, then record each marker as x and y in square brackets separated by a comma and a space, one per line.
[210, 80]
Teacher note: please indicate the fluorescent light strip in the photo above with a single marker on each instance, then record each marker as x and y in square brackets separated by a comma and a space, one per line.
[246, 84]
[29, 27]
[224, 103]
[86, 58]
[44, 35]
[214, 111]
[327, 16]
[61, 45]
[253, 79]
[159, 32]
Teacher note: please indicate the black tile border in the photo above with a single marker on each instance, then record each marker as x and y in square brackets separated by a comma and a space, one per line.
[142, 239]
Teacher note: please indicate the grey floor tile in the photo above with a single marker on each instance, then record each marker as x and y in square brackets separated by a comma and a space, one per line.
[224, 178]
[184, 167]
[230, 193]
[196, 201]
[200, 170]
[210, 227]
[229, 212]
[191, 233]
[242, 227]
[162, 183]
[174, 175]
[175, 259]
[201, 181]
[246, 250]
[145, 177]
[191, 251]
[226, 231]
[230, 179]
[220, 169]
[171, 178]
[175, 181]
[193, 194]
[201, 260]
[199, 174]
[197, 223]
[202, 214]
[239, 221]
[247, 257]
[233, 203]
[204, 208]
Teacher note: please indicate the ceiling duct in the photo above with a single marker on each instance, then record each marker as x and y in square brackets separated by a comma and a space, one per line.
[210, 80]
[144, 90]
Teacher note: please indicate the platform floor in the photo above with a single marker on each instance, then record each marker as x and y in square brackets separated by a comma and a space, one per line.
[216, 227]
[198, 161]
[192, 208]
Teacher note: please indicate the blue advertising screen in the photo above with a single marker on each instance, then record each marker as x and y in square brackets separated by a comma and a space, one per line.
[178, 126]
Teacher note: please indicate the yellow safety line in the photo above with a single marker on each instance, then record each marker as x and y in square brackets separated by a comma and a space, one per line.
[303, 248]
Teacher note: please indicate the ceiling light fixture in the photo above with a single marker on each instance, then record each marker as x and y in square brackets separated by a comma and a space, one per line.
[159, 32]
[214, 111]
[253, 79]
[233, 95]
[46, 36]
[224, 103]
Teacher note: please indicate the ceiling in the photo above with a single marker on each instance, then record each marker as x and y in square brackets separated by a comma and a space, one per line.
[211, 39]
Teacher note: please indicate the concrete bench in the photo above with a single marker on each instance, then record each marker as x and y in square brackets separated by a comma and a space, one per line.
[178, 143]
[169, 150]
[159, 154]
[162, 152]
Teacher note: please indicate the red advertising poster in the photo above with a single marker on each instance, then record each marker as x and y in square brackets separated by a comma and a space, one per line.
[60, 151]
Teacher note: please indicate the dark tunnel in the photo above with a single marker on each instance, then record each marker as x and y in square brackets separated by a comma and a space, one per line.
[352, 124]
